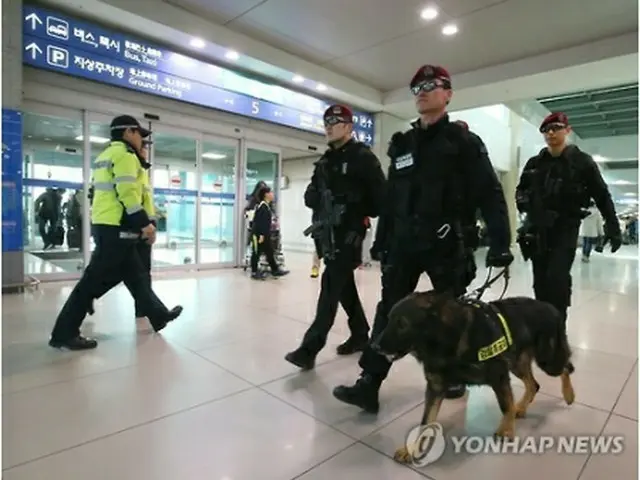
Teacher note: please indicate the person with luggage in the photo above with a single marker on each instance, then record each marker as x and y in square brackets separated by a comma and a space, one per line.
[261, 236]
[48, 210]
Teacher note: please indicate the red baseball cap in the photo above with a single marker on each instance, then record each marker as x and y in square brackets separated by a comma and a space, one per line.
[431, 72]
[338, 114]
[558, 118]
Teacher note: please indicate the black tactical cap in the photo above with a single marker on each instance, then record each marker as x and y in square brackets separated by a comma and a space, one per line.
[123, 122]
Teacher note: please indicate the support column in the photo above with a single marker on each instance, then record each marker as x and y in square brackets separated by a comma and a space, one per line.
[386, 126]
[13, 274]
[510, 178]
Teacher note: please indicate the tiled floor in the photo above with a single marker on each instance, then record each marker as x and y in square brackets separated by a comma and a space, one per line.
[212, 398]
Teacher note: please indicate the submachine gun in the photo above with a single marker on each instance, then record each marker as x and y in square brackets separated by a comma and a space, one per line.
[330, 217]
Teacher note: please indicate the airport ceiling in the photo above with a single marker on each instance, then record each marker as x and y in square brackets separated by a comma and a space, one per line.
[380, 43]
[605, 112]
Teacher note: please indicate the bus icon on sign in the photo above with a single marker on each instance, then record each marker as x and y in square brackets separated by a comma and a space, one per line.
[57, 28]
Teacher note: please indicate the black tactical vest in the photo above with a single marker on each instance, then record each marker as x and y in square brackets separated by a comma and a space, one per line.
[558, 183]
[425, 183]
[341, 173]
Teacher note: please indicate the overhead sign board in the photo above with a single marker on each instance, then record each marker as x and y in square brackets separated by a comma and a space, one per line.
[57, 42]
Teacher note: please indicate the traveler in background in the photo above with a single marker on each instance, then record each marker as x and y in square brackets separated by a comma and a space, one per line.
[48, 210]
[590, 231]
[315, 265]
[254, 197]
[261, 236]
[119, 221]
[366, 244]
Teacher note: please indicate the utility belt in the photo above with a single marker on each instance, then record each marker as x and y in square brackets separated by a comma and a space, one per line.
[114, 233]
[417, 236]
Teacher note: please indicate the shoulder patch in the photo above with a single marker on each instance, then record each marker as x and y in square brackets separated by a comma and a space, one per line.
[403, 161]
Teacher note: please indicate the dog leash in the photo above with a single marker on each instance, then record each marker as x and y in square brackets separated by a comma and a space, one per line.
[477, 293]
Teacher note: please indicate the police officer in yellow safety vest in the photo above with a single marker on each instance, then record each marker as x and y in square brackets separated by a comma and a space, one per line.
[119, 222]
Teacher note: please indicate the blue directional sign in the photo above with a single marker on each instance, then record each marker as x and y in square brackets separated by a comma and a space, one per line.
[54, 41]
[11, 180]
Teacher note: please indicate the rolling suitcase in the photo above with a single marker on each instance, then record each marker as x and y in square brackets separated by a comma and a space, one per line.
[57, 235]
[74, 238]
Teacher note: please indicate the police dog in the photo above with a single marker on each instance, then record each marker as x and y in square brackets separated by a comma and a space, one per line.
[475, 343]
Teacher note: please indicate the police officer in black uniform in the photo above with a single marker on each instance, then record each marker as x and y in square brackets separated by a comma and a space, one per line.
[438, 178]
[554, 192]
[354, 176]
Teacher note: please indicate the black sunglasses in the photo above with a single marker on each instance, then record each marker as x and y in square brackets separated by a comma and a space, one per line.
[553, 127]
[333, 120]
[429, 86]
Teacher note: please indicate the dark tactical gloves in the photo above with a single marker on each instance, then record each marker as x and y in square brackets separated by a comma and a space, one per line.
[499, 258]
[613, 236]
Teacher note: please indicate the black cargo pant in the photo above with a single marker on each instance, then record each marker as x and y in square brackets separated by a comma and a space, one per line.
[144, 253]
[447, 270]
[552, 281]
[113, 260]
[338, 286]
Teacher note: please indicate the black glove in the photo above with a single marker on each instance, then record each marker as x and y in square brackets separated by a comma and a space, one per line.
[613, 236]
[377, 253]
[499, 258]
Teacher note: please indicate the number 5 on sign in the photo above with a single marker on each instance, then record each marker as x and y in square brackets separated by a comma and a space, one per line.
[255, 107]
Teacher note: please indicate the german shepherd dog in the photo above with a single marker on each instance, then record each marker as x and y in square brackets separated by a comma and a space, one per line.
[455, 341]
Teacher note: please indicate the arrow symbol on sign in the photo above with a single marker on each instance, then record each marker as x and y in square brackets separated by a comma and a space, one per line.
[34, 49]
[34, 19]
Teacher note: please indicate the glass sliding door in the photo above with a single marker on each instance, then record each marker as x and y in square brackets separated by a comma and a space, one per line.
[174, 177]
[219, 165]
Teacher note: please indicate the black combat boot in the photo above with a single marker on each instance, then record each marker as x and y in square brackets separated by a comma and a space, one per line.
[174, 313]
[351, 346]
[363, 394]
[77, 343]
[301, 358]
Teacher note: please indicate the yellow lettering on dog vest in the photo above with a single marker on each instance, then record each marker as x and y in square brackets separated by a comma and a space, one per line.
[499, 346]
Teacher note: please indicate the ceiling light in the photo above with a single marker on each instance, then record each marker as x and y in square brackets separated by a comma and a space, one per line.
[450, 29]
[630, 194]
[231, 55]
[298, 79]
[214, 156]
[92, 139]
[321, 88]
[197, 43]
[429, 13]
